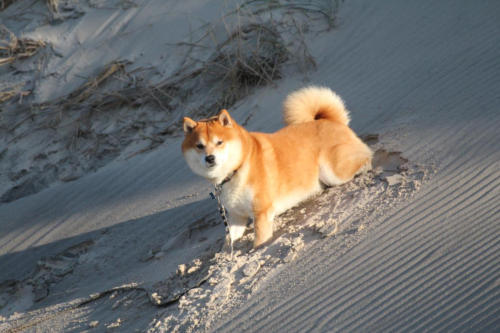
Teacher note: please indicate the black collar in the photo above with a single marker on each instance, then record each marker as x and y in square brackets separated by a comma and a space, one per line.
[227, 179]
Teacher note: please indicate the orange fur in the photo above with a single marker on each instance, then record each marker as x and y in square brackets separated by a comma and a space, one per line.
[276, 171]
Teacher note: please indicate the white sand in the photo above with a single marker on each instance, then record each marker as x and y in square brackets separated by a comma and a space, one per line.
[408, 249]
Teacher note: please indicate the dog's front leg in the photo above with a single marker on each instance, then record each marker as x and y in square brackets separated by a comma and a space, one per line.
[263, 225]
[237, 226]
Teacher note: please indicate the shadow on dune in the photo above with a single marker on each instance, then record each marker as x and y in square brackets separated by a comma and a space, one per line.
[139, 251]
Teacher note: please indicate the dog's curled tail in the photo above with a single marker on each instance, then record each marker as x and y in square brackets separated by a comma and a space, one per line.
[312, 103]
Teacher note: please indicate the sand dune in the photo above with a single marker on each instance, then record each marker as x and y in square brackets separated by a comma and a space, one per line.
[415, 252]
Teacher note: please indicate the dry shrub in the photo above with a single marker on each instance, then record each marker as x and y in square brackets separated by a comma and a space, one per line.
[13, 48]
[250, 57]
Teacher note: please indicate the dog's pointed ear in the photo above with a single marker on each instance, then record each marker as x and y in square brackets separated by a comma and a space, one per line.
[188, 125]
[225, 119]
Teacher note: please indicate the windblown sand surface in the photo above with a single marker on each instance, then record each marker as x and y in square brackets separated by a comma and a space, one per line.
[132, 242]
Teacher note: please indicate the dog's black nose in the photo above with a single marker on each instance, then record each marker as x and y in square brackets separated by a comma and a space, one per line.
[210, 159]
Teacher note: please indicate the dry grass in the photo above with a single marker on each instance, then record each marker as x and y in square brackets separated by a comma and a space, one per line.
[255, 50]
[250, 57]
[327, 9]
[13, 48]
[7, 94]
[90, 87]
[134, 92]
[53, 6]
[11, 92]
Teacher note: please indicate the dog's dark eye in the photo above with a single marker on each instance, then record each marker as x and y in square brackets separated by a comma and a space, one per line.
[219, 142]
[200, 146]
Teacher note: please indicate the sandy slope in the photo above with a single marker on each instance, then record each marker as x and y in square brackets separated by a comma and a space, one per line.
[428, 74]
[425, 77]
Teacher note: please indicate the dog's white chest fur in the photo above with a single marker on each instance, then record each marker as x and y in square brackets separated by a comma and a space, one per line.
[238, 199]
[237, 196]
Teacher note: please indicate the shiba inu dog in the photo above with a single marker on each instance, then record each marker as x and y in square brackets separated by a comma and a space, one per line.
[262, 174]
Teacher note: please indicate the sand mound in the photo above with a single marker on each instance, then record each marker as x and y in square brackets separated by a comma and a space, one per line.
[220, 282]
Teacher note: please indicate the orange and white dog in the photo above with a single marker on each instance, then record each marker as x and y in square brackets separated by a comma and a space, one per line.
[265, 174]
